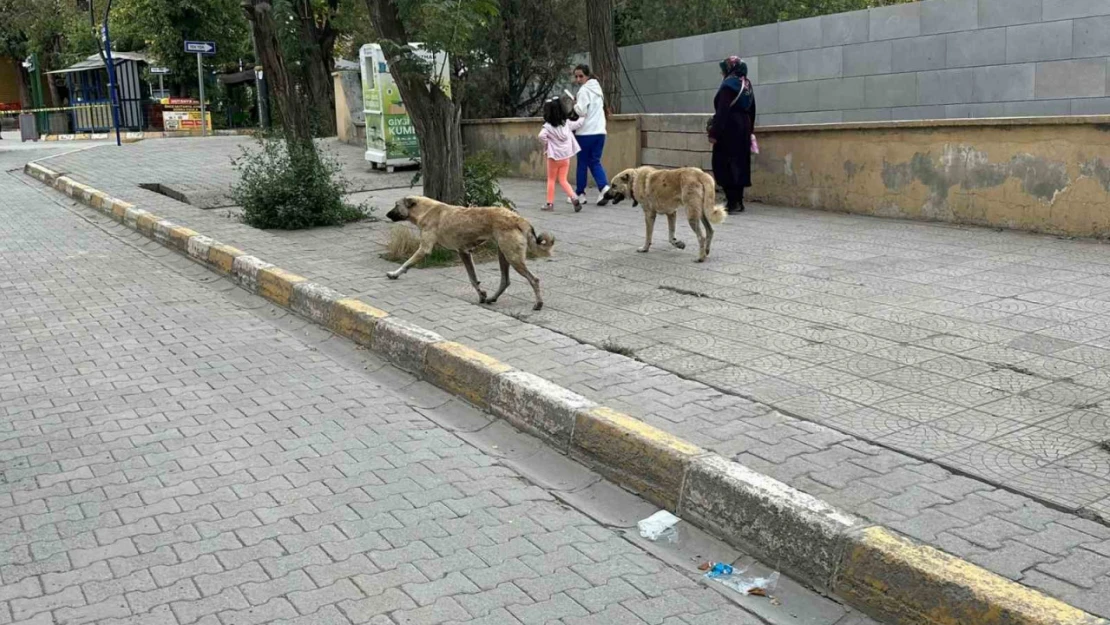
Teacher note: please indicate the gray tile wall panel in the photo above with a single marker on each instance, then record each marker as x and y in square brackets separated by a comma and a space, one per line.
[938, 58]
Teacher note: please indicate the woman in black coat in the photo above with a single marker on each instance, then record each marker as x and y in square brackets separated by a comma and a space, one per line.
[730, 132]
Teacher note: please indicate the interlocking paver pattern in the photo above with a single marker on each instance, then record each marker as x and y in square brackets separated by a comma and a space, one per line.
[169, 457]
[851, 357]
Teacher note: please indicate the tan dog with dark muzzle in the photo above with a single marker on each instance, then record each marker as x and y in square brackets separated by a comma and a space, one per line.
[465, 229]
[664, 191]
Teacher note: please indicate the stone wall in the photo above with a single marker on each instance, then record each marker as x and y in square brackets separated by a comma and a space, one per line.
[513, 141]
[1046, 174]
[926, 60]
[350, 116]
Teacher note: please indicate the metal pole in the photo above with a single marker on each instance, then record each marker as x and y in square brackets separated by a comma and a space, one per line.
[112, 79]
[263, 99]
[260, 87]
[161, 86]
[200, 80]
[36, 90]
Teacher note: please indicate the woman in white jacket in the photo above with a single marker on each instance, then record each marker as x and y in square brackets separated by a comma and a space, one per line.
[590, 106]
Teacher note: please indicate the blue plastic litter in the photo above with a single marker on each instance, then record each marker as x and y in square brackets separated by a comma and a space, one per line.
[725, 574]
[719, 569]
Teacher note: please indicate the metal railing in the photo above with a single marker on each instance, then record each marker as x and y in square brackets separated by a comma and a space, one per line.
[63, 120]
[96, 118]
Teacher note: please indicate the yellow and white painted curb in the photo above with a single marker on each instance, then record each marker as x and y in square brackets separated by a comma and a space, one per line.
[870, 567]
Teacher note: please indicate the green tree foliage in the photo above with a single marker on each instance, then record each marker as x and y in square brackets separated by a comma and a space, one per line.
[453, 27]
[481, 173]
[308, 31]
[352, 22]
[62, 32]
[54, 29]
[160, 27]
[523, 56]
[639, 21]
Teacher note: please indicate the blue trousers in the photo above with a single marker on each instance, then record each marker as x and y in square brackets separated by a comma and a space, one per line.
[590, 159]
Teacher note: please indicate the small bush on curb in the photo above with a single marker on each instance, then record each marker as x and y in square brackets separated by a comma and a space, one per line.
[289, 185]
[480, 174]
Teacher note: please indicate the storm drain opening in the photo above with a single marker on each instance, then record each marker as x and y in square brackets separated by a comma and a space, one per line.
[169, 192]
[202, 196]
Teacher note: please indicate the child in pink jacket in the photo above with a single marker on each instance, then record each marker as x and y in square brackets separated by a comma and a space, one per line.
[559, 145]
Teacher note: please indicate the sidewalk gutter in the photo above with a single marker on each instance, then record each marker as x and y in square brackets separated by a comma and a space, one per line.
[870, 567]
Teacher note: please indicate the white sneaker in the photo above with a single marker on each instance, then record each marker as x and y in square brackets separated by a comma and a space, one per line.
[601, 201]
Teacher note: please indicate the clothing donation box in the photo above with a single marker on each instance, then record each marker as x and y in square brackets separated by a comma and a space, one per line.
[390, 136]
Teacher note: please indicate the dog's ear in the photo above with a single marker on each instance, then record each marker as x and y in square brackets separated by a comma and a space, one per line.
[409, 201]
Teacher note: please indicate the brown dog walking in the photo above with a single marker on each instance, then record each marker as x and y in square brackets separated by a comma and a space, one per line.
[465, 229]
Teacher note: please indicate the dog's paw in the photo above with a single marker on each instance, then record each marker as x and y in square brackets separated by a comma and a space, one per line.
[392, 276]
[481, 297]
[700, 260]
[538, 306]
[490, 301]
[642, 249]
[679, 244]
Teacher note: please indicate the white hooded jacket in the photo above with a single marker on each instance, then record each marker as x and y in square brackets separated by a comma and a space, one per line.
[590, 106]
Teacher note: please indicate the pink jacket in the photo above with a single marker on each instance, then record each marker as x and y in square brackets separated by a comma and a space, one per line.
[560, 141]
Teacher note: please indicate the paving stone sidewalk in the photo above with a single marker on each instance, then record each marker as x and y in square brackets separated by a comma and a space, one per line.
[168, 457]
[946, 381]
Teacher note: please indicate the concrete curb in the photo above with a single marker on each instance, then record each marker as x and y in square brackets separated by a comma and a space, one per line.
[871, 567]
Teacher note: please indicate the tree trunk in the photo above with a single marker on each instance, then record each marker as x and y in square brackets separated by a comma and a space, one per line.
[604, 59]
[435, 116]
[441, 149]
[318, 42]
[293, 114]
[51, 84]
[24, 88]
[55, 95]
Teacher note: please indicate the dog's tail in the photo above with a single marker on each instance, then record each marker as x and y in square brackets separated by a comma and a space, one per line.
[713, 211]
[540, 244]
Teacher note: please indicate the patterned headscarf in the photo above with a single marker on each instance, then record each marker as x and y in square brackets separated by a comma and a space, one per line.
[736, 71]
[734, 66]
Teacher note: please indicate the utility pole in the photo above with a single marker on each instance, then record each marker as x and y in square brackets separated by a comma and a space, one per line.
[33, 70]
[111, 75]
[260, 88]
[200, 81]
[106, 57]
[201, 49]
